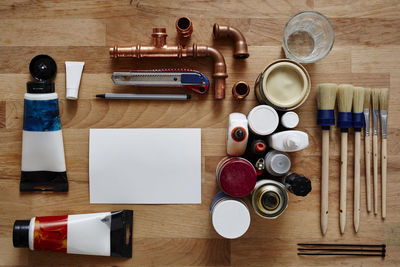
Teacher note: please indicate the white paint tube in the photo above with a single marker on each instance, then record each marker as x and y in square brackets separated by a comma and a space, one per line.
[73, 74]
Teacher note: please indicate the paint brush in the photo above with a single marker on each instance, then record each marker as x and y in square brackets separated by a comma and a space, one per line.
[358, 124]
[383, 103]
[367, 104]
[345, 101]
[375, 107]
[326, 97]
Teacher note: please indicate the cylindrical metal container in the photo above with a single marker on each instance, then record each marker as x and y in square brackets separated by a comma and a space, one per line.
[284, 84]
[236, 176]
[230, 217]
[269, 199]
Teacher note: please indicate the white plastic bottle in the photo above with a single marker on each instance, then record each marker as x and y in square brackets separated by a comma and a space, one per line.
[288, 141]
[238, 134]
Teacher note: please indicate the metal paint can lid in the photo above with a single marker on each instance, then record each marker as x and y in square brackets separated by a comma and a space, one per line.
[290, 120]
[230, 218]
[237, 177]
[263, 120]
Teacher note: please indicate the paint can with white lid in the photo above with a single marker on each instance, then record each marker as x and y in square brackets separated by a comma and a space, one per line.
[277, 163]
[269, 199]
[236, 176]
[230, 217]
[263, 120]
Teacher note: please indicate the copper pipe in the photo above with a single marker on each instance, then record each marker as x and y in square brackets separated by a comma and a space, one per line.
[240, 49]
[184, 27]
[160, 49]
[240, 90]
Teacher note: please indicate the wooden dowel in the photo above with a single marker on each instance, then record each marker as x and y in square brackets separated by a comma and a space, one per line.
[375, 151]
[325, 181]
[357, 167]
[384, 176]
[343, 181]
[368, 171]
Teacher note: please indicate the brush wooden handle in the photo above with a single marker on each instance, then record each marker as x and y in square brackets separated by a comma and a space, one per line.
[324, 181]
[384, 176]
[343, 181]
[368, 170]
[375, 151]
[357, 167]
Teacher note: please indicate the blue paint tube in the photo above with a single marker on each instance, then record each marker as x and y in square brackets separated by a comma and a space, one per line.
[43, 162]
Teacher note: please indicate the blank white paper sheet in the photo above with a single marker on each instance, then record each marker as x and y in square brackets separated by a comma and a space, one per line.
[145, 166]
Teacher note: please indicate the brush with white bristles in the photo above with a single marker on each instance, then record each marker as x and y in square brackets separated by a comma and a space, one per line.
[345, 102]
[375, 151]
[367, 104]
[383, 103]
[358, 124]
[326, 97]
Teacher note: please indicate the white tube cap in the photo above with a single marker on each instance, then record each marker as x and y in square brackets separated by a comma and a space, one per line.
[72, 93]
[290, 120]
[263, 120]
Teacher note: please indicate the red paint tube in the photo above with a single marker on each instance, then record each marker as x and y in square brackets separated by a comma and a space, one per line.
[102, 234]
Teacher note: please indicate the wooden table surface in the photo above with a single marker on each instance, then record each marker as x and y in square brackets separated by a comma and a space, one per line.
[366, 53]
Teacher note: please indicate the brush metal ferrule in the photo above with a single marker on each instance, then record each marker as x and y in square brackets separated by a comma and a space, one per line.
[384, 117]
[375, 115]
[367, 123]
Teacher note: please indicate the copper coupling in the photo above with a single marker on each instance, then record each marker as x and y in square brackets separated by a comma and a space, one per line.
[184, 27]
[240, 44]
[240, 90]
[161, 49]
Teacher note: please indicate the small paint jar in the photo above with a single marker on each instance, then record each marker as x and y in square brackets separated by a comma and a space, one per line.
[284, 84]
[277, 163]
[230, 217]
[236, 176]
[269, 199]
[290, 120]
[263, 120]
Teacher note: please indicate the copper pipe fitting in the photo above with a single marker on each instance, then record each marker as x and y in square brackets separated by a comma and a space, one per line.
[184, 27]
[240, 90]
[240, 49]
[160, 49]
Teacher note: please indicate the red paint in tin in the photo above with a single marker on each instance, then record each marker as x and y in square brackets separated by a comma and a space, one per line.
[236, 176]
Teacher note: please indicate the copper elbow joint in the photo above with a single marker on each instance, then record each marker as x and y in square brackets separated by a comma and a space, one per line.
[240, 90]
[240, 44]
[184, 27]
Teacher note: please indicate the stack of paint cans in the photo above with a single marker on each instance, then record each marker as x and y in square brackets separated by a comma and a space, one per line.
[256, 171]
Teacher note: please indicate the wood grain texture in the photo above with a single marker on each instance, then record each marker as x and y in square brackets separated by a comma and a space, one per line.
[366, 53]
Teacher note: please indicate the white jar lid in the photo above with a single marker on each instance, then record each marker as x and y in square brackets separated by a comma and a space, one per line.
[263, 120]
[230, 218]
[290, 120]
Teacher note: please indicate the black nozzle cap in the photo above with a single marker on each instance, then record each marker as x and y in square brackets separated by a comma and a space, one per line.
[21, 233]
[239, 134]
[43, 68]
[298, 184]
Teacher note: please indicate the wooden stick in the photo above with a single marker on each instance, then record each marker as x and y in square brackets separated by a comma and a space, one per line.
[343, 181]
[384, 176]
[368, 171]
[325, 181]
[375, 151]
[357, 167]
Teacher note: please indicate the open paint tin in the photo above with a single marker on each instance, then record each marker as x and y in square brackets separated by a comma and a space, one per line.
[236, 176]
[230, 217]
[284, 84]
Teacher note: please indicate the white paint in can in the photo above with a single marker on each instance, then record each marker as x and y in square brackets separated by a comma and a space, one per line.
[230, 217]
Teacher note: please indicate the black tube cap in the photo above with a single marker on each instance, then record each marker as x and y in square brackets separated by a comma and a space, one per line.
[239, 134]
[298, 184]
[43, 68]
[21, 233]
